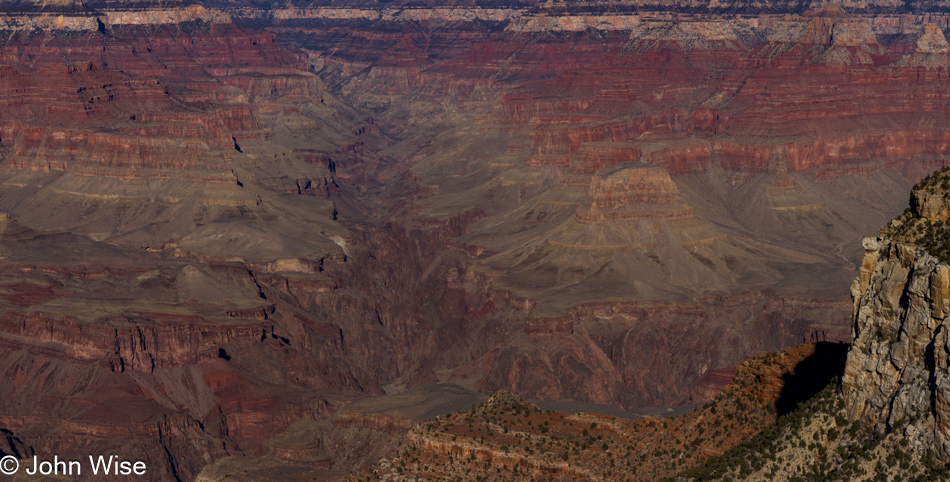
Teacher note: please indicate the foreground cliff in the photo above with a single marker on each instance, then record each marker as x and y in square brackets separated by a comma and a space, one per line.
[898, 366]
[890, 416]
[509, 438]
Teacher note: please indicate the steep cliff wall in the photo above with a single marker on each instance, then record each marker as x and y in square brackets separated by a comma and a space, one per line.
[897, 368]
[891, 419]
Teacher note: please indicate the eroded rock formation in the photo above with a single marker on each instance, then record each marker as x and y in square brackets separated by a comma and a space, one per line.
[241, 219]
[897, 368]
[511, 436]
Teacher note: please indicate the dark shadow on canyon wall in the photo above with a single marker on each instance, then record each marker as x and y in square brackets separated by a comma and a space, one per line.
[812, 374]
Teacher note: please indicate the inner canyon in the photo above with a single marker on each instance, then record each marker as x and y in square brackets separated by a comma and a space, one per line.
[285, 234]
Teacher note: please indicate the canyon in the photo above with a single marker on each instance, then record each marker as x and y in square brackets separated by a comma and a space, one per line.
[875, 408]
[242, 232]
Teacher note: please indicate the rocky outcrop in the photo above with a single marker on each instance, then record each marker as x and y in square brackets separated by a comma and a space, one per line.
[516, 437]
[932, 41]
[634, 192]
[69, 19]
[897, 368]
[134, 343]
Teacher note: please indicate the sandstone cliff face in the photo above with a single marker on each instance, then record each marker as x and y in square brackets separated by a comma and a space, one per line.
[897, 368]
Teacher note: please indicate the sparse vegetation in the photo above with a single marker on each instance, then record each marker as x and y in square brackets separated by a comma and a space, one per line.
[815, 441]
[914, 226]
[838, 450]
[543, 445]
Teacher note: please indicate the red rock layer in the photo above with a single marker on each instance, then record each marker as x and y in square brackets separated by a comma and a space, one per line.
[617, 131]
[168, 101]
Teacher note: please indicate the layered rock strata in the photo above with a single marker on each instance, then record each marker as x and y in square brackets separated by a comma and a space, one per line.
[510, 436]
[897, 368]
[569, 207]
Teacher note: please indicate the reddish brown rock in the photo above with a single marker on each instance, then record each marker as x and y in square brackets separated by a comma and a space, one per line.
[510, 435]
[605, 215]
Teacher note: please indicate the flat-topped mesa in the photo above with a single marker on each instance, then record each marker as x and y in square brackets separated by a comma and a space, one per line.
[899, 364]
[633, 192]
